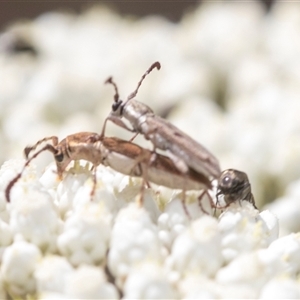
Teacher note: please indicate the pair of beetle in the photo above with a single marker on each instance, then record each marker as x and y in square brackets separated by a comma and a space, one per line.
[188, 166]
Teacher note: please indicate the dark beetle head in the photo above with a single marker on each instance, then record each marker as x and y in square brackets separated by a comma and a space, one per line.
[62, 158]
[232, 181]
[59, 157]
[117, 108]
[234, 185]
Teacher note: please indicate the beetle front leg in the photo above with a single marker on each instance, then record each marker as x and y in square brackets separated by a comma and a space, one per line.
[183, 201]
[92, 193]
[212, 204]
[118, 122]
[134, 137]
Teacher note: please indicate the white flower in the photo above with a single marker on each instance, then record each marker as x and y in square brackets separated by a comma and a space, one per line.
[148, 281]
[3, 293]
[281, 288]
[51, 296]
[197, 286]
[246, 271]
[238, 97]
[197, 249]
[49, 179]
[36, 218]
[8, 172]
[18, 264]
[76, 181]
[283, 255]
[125, 188]
[74, 191]
[89, 282]
[172, 222]
[6, 237]
[134, 238]
[51, 273]
[85, 236]
[243, 229]
[177, 214]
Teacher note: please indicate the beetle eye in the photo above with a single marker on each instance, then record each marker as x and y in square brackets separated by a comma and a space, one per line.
[116, 105]
[226, 180]
[59, 157]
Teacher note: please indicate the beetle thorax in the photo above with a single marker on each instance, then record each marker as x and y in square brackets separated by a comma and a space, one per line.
[135, 112]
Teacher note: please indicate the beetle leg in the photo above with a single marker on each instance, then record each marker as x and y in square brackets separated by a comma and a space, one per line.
[92, 193]
[116, 121]
[212, 204]
[134, 137]
[184, 204]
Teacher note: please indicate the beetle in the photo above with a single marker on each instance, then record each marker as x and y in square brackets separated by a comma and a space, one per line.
[234, 185]
[185, 152]
[122, 156]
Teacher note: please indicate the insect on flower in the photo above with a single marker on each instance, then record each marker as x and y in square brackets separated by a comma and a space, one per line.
[122, 156]
[234, 185]
[184, 151]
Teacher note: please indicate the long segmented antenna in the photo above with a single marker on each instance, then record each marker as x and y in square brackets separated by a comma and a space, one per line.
[110, 81]
[27, 150]
[14, 181]
[134, 93]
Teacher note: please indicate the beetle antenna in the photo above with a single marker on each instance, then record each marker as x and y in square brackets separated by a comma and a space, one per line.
[134, 93]
[29, 149]
[14, 181]
[110, 81]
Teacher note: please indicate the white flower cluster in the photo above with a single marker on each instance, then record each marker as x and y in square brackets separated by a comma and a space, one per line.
[230, 78]
[111, 247]
[231, 68]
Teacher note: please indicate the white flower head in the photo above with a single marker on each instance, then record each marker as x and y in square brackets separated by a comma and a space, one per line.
[36, 219]
[89, 282]
[51, 273]
[86, 235]
[134, 238]
[197, 248]
[244, 229]
[18, 264]
[148, 281]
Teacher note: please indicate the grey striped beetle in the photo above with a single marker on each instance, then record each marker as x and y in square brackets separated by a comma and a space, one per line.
[184, 151]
